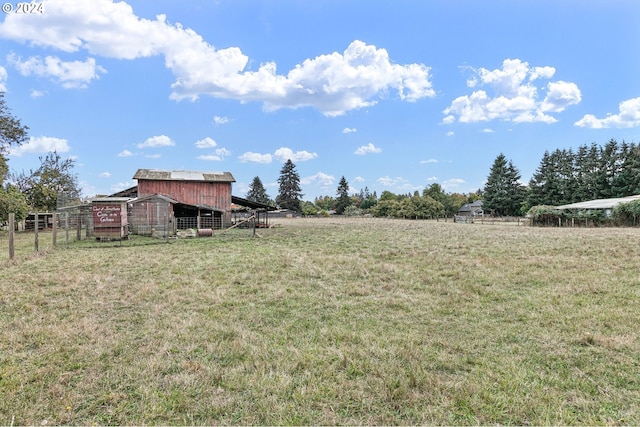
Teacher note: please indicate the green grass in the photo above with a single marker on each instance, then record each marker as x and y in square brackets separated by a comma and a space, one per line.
[330, 321]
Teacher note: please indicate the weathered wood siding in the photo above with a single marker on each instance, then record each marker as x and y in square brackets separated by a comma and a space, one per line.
[214, 195]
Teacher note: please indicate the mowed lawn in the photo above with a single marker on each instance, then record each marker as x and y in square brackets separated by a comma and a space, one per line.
[328, 321]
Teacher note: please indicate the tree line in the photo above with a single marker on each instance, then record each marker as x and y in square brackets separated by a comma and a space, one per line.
[565, 176]
[433, 202]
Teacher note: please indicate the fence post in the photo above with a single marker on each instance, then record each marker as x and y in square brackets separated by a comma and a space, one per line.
[12, 227]
[66, 226]
[36, 223]
[54, 228]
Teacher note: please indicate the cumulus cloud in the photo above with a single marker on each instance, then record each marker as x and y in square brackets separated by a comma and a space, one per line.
[255, 157]
[206, 143]
[41, 144]
[367, 149]
[105, 175]
[628, 116]
[349, 130]
[332, 83]
[70, 75]
[283, 154]
[36, 93]
[321, 178]
[512, 95]
[219, 155]
[429, 161]
[125, 153]
[120, 186]
[397, 183]
[358, 179]
[157, 141]
[452, 183]
[218, 120]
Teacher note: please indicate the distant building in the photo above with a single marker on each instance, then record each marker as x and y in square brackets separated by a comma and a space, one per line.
[604, 205]
[471, 209]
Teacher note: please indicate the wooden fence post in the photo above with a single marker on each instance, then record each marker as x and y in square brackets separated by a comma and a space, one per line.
[35, 244]
[12, 227]
[54, 227]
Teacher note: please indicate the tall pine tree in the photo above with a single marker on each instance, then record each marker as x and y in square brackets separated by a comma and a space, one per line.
[290, 194]
[257, 192]
[343, 200]
[503, 193]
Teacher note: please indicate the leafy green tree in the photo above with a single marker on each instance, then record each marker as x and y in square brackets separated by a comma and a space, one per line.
[12, 132]
[309, 208]
[257, 192]
[12, 201]
[53, 178]
[324, 203]
[290, 193]
[343, 200]
[503, 193]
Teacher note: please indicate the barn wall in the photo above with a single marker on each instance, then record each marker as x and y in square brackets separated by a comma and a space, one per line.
[216, 195]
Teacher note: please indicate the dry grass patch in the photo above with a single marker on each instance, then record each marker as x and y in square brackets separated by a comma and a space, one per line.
[328, 322]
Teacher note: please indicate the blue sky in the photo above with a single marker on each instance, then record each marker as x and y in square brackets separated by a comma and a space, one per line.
[393, 95]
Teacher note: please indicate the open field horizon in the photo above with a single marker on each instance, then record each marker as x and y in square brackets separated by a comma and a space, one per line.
[328, 321]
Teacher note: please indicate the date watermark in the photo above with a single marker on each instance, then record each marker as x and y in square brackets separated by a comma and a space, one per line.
[23, 8]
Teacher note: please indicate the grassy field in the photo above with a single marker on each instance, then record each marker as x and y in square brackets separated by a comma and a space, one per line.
[328, 321]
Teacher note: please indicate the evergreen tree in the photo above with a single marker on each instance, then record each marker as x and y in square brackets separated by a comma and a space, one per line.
[343, 200]
[257, 192]
[290, 194]
[503, 193]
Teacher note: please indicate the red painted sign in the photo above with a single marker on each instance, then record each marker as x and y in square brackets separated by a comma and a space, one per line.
[107, 215]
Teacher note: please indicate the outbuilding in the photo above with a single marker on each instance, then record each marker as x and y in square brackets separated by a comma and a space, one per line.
[198, 199]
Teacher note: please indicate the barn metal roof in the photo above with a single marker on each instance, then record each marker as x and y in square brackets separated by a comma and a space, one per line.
[183, 175]
[600, 203]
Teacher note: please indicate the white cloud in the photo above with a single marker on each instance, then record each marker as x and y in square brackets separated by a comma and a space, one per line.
[255, 157]
[628, 116]
[450, 133]
[513, 96]
[218, 120]
[105, 175]
[41, 144]
[36, 93]
[125, 153]
[358, 179]
[429, 161]
[206, 143]
[122, 186]
[283, 154]
[321, 178]
[157, 141]
[70, 75]
[153, 156]
[367, 149]
[221, 153]
[399, 184]
[333, 83]
[3, 79]
[432, 178]
[452, 183]
[349, 130]
[486, 130]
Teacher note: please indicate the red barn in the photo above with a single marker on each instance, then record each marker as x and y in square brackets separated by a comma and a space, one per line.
[196, 196]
